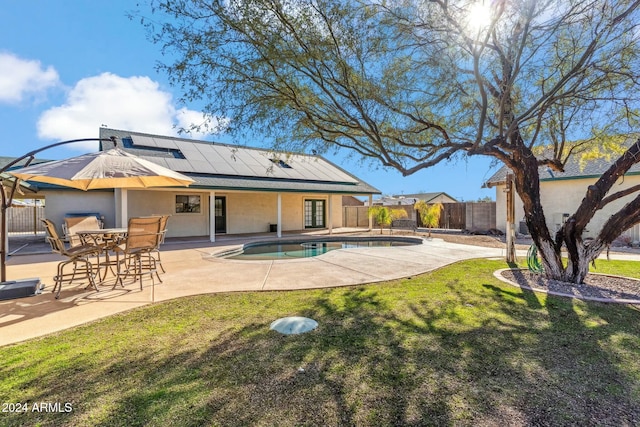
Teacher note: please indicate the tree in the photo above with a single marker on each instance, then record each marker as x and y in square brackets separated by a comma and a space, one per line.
[385, 216]
[413, 83]
[429, 214]
[485, 199]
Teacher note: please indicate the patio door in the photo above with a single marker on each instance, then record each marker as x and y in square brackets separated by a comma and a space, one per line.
[314, 214]
[220, 211]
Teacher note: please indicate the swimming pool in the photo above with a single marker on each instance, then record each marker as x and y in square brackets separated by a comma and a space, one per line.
[310, 248]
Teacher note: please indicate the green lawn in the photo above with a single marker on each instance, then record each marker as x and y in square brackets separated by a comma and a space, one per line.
[453, 347]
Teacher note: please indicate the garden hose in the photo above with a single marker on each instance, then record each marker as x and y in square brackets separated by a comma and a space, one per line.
[533, 262]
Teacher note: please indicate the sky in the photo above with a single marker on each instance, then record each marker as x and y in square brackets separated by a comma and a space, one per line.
[68, 67]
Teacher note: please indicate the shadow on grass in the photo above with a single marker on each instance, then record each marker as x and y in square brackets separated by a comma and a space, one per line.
[439, 349]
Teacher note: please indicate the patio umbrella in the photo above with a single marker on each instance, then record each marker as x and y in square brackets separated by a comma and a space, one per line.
[113, 168]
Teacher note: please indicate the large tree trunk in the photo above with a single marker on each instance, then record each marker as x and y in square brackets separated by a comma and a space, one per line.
[579, 254]
[527, 183]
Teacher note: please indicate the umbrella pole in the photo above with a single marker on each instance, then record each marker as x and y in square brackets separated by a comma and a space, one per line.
[3, 234]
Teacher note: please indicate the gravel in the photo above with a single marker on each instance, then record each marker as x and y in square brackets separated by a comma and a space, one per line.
[599, 287]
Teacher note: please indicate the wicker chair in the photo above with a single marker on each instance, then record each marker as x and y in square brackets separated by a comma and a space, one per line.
[134, 255]
[78, 256]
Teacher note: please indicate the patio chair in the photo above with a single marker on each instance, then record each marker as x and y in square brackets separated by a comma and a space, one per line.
[74, 224]
[134, 255]
[78, 256]
[164, 219]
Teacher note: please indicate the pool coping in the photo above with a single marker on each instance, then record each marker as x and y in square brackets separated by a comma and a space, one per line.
[229, 252]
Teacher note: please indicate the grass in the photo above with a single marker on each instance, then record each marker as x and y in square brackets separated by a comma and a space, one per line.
[452, 347]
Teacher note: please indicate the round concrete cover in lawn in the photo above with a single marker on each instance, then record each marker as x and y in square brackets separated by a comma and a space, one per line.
[293, 325]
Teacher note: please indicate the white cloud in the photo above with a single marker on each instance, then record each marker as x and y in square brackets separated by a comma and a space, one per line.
[20, 78]
[197, 124]
[134, 103]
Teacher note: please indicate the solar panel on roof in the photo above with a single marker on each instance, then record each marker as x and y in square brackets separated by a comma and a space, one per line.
[145, 141]
[222, 168]
[165, 143]
[180, 165]
[201, 166]
[191, 153]
[157, 160]
[231, 160]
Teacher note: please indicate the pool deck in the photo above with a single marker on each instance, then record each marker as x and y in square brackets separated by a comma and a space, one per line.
[193, 269]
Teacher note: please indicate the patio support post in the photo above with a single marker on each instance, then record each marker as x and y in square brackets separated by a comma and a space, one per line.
[369, 213]
[212, 216]
[330, 207]
[122, 206]
[511, 214]
[279, 221]
[4, 245]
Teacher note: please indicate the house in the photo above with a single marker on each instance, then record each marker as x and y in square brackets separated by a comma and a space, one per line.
[437, 197]
[412, 199]
[408, 201]
[236, 189]
[562, 192]
[351, 201]
[24, 189]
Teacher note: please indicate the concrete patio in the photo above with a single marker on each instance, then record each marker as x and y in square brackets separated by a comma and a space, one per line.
[193, 269]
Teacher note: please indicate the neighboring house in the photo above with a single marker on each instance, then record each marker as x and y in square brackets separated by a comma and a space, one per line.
[562, 192]
[394, 201]
[412, 199]
[407, 201]
[25, 189]
[351, 201]
[402, 202]
[236, 190]
[439, 197]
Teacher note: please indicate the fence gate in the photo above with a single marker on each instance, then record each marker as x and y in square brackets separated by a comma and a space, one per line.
[453, 217]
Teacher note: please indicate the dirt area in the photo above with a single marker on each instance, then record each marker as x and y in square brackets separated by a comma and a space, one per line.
[598, 287]
[499, 241]
[480, 240]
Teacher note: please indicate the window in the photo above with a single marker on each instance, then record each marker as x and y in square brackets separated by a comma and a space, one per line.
[280, 163]
[127, 142]
[187, 204]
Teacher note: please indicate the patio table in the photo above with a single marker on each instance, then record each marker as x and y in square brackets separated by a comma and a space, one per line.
[106, 239]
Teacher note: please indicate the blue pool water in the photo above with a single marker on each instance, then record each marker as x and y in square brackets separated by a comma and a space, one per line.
[290, 250]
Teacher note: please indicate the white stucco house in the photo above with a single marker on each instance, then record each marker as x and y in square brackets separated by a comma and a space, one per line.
[236, 189]
[562, 192]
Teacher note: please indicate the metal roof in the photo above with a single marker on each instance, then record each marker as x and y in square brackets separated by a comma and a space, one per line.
[224, 166]
[427, 197]
[7, 179]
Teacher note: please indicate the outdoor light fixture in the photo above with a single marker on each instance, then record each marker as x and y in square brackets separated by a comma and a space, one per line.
[22, 287]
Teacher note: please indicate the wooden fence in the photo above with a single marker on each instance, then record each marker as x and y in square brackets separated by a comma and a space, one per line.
[481, 216]
[25, 219]
[355, 216]
[455, 216]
